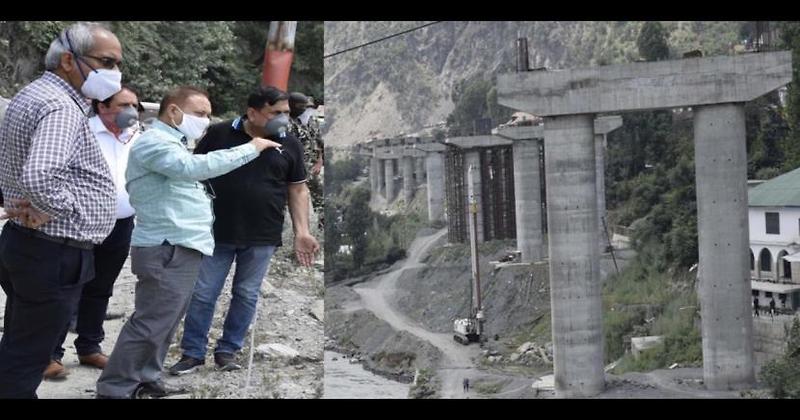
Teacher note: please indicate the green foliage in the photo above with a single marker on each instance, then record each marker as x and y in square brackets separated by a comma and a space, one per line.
[790, 39]
[339, 173]
[652, 42]
[474, 99]
[782, 375]
[224, 57]
[375, 239]
[645, 299]
[357, 219]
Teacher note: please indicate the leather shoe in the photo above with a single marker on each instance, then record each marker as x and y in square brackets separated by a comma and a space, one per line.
[55, 370]
[98, 360]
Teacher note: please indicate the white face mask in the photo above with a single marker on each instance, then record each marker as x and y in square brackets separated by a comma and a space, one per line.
[193, 126]
[307, 115]
[101, 84]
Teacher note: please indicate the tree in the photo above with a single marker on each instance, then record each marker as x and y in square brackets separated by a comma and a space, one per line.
[782, 375]
[357, 218]
[652, 42]
[790, 39]
[225, 58]
[474, 99]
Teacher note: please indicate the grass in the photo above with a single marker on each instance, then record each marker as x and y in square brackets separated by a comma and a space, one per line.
[643, 301]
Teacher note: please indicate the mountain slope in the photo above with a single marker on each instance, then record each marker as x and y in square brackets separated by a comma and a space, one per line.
[404, 84]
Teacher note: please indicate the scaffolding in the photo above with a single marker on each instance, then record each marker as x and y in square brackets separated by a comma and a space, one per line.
[497, 194]
[455, 194]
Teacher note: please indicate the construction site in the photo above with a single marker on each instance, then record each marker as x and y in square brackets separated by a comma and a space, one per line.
[506, 291]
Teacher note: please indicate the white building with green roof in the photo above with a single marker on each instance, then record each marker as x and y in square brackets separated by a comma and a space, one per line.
[774, 215]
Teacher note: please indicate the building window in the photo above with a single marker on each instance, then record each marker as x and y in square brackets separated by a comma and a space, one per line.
[755, 292]
[768, 294]
[752, 262]
[765, 259]
[787, 269]
[773, 223]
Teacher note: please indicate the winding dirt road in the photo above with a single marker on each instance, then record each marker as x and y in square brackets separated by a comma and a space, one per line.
[457, 360]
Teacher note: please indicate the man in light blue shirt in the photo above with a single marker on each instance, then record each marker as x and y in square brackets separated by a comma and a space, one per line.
[172, 233]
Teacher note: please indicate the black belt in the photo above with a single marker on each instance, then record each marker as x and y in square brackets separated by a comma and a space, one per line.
[86, 245]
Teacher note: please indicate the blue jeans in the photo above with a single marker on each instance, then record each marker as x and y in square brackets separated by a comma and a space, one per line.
[252, 263]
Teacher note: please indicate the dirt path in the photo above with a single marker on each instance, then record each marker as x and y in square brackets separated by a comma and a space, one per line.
[457, 362]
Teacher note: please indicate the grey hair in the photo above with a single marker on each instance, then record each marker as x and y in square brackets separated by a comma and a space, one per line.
[81, 38]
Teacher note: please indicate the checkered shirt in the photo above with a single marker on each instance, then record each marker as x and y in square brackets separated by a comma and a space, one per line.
[49, 156]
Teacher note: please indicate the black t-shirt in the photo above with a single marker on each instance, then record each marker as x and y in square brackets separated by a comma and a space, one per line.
[250, 200]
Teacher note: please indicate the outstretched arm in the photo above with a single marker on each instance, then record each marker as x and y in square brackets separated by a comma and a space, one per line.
[305, 245]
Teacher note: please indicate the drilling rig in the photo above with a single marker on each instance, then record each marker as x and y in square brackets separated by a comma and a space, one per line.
[470, 329]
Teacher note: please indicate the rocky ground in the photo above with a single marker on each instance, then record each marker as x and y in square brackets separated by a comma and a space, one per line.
[288, 362]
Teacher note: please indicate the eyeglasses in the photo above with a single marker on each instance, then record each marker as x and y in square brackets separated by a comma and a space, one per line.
[106, 62]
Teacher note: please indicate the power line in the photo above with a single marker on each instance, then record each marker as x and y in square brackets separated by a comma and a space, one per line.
[381, 39]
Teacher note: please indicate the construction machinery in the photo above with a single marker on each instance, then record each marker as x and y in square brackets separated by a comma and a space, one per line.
[470, 329]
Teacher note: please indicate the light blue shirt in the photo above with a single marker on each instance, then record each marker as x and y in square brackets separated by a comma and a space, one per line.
[162, 181]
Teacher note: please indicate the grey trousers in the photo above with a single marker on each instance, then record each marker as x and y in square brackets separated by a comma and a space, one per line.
[166, 277]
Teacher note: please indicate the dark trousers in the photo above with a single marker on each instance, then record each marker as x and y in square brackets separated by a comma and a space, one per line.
[42, 281]
[109, 257]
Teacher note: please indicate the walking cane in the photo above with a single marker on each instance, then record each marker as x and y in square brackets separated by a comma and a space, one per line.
[252, 349]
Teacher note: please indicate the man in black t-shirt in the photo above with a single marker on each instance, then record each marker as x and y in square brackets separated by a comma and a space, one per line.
[249, 209]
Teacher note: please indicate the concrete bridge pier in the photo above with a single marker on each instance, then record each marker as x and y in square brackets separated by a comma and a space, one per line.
[575, 292]
[435, 169]
[715, 88]
[723, 245]
[408, 178]
[389, 179]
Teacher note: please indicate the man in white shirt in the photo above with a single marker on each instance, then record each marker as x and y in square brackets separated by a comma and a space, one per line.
[115, 126]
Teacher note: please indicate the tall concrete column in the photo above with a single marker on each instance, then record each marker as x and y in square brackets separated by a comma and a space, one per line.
[389, 178]
[576, 303]
[374, 177]
[382, 176]
[473, 157]
[723, 240]
[528, 199]
[435, 168]
[408, 178]
[419, 170]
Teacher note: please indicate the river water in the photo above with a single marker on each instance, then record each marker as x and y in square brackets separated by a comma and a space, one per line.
[345, 380]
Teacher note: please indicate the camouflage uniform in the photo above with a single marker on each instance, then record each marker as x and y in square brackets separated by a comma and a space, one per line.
[311, 138]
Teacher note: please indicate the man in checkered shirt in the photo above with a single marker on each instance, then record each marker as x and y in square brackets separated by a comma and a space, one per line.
[60, 198]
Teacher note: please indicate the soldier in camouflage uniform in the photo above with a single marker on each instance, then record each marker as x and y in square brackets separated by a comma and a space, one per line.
[310, 136]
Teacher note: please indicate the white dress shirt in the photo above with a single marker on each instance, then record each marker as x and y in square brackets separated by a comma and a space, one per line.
[116, 152]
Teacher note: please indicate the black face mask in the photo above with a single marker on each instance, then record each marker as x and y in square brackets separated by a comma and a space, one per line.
[275, 129]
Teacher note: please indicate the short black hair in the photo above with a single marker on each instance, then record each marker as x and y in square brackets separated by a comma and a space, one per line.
[266, 95]
[178, 96]
[108, 100]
